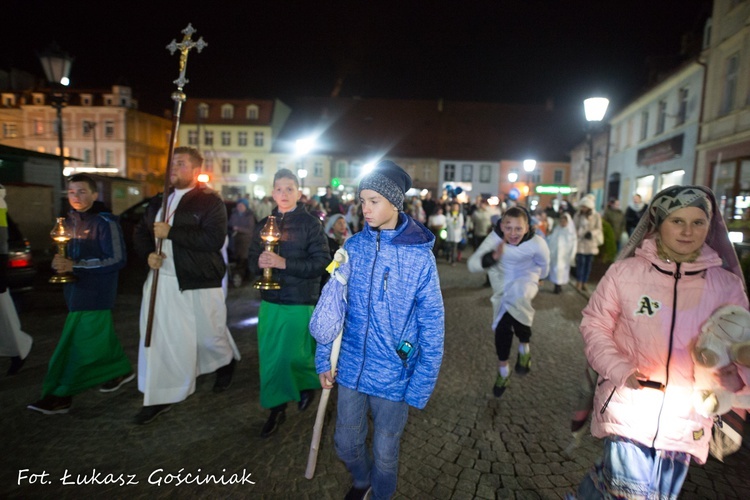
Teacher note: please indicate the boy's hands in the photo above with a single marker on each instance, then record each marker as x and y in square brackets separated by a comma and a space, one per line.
[499, 252]
[326, 379]
[272, 260]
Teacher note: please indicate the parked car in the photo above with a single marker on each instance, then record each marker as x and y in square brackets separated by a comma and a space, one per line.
[21, 270]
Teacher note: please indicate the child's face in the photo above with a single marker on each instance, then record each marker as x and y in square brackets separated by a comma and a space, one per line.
[513, 229]
[285, 194]
[563, 221]
[379, 213]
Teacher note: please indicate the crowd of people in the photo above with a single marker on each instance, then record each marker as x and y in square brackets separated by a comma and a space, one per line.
[675, 268]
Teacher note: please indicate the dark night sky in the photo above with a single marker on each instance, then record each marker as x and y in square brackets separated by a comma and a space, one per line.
[520, 51]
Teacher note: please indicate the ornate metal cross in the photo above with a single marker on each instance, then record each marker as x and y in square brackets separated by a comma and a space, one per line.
[184, 47]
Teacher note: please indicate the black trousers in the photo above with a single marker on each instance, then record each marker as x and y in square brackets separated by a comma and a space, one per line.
[504, 331]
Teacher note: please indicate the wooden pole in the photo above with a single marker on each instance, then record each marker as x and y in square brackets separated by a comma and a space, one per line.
[178, 97]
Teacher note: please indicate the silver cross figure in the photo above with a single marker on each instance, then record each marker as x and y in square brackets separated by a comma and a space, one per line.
[184, 47]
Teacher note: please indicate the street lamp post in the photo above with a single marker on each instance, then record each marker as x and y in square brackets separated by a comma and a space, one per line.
[57, 64]
[302, 173]
[528, 167]
[595, 108]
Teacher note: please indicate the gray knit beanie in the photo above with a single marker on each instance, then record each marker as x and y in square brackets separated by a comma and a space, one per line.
[388, 179]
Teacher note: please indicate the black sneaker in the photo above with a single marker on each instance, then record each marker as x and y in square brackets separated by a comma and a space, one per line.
[149, 413]
[224, 377]
[276, 418]
[16, 363]
[305, 399]
[359, 493]
[501, 383]
[117, 382]
[52, 405]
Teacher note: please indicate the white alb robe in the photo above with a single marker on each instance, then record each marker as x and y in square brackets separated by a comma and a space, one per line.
[13, 341]
[189, 335]
[562, 251]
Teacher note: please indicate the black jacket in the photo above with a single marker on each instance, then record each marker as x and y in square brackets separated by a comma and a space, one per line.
[304, 245]
[198, 233]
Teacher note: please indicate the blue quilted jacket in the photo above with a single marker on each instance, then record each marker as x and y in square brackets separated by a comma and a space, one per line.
[393, 296]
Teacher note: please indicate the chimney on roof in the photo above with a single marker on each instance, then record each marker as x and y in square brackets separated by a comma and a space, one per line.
[440, 105]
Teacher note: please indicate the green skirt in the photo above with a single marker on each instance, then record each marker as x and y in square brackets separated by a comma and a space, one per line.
[88, 354]
[287, 353]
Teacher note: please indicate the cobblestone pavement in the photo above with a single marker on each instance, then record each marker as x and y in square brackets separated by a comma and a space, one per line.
[465, 444]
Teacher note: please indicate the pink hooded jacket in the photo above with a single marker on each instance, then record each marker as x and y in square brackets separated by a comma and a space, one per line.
[642, 318]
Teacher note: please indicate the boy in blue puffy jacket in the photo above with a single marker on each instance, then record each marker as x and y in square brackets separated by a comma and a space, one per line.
[392, 345]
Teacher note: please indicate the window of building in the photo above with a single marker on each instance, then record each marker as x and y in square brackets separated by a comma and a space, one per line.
[9, 130]
[661, 117]
[87, 127]
[203, 110]
[355, 168]
[251, 112]
[108, 101]
[259, 167]
[226, 138]
[629, 133]
[9, 100]
[227, 111]
[730, 84]
[86, 100]
[87, 157]
[341, 169]
[682, 106]
[644, 186]
[449, 174]
[192, 137]
[259, 139]
[38, 126]
[467, 171]
[670, 179]
[208, 138]
[317, 169]
[242, 165]
[109, 157]
[109, 128]
[644, 125]
[242, 138]
[38, 100]
[559, 176]
[208, 165]
[485, 173]
[226, 165]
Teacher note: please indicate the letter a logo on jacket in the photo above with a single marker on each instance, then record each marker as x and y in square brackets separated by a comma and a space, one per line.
[647, 306]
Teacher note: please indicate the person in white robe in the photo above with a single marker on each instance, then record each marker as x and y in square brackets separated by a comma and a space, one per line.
[189, 332]
[562, 249]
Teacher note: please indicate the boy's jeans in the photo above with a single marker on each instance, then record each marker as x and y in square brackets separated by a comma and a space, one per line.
[389, 418]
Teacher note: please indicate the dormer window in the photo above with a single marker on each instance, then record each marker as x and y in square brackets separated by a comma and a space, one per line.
[86, 99]
[227, 111]
[251, 112]
[203, 110]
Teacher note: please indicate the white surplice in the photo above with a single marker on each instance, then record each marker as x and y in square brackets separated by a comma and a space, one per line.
[189, 334]
[13, 341]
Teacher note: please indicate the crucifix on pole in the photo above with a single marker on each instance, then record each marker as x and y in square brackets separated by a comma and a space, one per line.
[178, 97]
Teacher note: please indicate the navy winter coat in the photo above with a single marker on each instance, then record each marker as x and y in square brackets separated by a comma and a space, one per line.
[98, 253]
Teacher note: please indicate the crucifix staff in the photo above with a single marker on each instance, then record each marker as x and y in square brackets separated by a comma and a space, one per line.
[178, 97]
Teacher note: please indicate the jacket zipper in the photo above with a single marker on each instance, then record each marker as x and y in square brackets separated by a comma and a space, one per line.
[677, 275]
[369, 301]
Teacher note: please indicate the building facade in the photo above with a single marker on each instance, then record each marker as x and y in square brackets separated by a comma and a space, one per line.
[723, 161]
[653, 139]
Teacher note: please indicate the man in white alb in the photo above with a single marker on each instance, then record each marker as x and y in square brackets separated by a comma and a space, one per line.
[189, 332]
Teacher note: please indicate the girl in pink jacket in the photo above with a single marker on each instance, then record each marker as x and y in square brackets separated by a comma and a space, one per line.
[639, 328]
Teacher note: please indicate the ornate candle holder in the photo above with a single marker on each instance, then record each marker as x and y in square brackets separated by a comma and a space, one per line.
[270, 235]
[61, 235]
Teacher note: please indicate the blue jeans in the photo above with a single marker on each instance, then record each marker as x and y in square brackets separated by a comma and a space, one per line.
[583, 267]
[389, 419]
[632, 470]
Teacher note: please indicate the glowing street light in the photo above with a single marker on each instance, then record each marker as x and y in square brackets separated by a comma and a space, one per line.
[512, 177]
[595, 108]
[302, 173]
